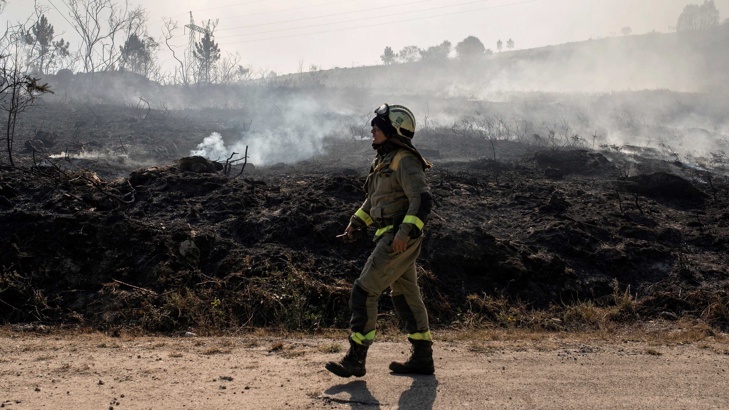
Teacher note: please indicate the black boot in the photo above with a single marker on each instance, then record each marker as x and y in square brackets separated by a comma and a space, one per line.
[420, 361]
[353, 363]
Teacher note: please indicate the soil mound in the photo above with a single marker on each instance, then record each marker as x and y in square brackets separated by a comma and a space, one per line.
[558, 163]
[665, 186]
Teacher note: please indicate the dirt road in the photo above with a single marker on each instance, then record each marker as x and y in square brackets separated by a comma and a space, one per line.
[94, 371]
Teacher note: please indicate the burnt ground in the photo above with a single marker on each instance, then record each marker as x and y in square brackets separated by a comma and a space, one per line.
[144, 237]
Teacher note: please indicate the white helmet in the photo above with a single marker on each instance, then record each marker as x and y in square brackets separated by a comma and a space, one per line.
[401, 118]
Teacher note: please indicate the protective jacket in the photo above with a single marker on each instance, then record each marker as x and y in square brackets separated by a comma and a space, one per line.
[397, 195]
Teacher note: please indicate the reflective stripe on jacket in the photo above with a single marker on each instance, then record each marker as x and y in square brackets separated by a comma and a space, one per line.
[397, 193]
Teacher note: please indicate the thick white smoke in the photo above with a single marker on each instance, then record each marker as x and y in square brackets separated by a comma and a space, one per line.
[212, 147]
[283, 131]
[264, 148]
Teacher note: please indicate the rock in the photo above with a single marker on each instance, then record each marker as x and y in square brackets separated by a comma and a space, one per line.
[190, 251]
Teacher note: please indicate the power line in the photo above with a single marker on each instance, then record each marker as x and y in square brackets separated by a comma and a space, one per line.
[311, 6]
[331, 15]
[59, 12]
[371, 18]
[382, 24]
[264, 12]
[223, 7]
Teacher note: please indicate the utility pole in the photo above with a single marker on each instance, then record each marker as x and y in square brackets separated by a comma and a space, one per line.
[194, 28]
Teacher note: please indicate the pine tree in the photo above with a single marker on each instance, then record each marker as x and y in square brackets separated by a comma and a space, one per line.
[207, 53]
[388, 57]
[136, 54]
[44, 51]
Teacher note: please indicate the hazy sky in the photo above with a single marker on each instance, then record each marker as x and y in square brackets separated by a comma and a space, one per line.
[290, 35]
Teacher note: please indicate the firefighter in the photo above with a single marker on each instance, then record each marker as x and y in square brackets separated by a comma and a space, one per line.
[397, 204]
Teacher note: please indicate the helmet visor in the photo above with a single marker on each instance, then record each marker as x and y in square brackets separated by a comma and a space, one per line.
[383, 110]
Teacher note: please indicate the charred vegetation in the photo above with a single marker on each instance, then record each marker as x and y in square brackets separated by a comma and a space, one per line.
[165, 242]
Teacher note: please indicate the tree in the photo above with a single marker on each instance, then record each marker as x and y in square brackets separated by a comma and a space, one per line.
[207, 53]
[18, 89]
[470, 47]
[688, 20]
[437, 53]
[137, 54]
[229, 70]
[388, 57]
[626, 31]
[98, 23]
[45, 55]
[510, 44]
[182, 72]
[708, 15]
[499, 45]
[409, 54]
[698, 18]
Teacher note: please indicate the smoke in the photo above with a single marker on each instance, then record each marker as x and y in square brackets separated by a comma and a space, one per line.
[266, 147]
[652, 90]
[212, 147]
[281, 145]
[289, 131]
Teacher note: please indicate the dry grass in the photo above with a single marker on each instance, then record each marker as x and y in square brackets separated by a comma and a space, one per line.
[215, 350]
[485, 320]
[330, 348]
[655, 333]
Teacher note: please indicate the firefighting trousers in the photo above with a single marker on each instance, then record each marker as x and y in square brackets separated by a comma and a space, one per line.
[386, 269]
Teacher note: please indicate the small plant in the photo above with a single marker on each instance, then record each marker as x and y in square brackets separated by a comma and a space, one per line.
[583, 316]
[626, 306]
[717, 311]
[331, 348]
[214, 350]
[622, 299]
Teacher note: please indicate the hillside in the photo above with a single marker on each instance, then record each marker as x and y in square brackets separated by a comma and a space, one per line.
[679, 62]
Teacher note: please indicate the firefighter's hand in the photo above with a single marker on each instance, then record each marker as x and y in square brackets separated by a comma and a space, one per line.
[350, 234]
[399, 245]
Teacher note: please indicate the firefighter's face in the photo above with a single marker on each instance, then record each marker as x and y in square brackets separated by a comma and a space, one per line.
[378, 137]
